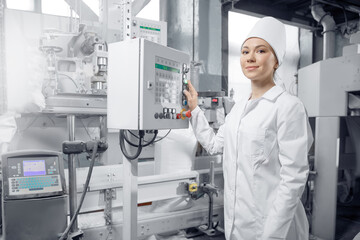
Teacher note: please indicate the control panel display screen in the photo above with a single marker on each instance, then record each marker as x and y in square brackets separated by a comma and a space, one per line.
[34, 168]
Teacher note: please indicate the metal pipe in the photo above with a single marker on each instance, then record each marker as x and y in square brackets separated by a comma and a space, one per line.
[211, 203]
[211, 173]
[347, 7]
[72, 173]
[103, 134]
[329, 26]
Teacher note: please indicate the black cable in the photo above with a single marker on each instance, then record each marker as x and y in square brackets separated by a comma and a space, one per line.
[93, 157]
[147, 142]
[122, 145]
[163, 137]
[73, 81]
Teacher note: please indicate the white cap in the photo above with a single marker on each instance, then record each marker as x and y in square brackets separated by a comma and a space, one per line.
[273, 32]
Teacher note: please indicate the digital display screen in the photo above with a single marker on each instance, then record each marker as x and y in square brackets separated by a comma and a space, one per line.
[34, 167]
[166, 68]
[150, 28]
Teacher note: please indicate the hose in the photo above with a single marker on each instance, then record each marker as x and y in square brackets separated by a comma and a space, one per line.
[93, 157]
[122, 145]
[145, 145]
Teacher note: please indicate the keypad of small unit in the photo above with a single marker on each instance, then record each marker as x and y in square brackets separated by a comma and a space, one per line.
[23, 185]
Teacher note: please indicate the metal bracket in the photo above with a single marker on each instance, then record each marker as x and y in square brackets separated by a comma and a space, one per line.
[109, 195]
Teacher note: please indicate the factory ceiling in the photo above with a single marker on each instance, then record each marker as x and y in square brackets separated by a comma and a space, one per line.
[297, 12]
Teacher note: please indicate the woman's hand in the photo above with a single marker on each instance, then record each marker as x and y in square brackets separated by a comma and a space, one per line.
[191, 96]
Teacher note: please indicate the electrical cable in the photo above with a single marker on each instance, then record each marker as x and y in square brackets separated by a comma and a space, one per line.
[93, 157]
[162, 137]
[147, 142]
[122, 145]
[62, 74]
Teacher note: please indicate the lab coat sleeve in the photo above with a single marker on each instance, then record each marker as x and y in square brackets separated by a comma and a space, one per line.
[294, 138]
[205, 134]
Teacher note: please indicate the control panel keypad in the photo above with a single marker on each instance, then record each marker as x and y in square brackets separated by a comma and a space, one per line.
[33, 184]
[167, 81]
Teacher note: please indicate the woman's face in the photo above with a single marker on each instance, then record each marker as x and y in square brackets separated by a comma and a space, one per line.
[258, 61]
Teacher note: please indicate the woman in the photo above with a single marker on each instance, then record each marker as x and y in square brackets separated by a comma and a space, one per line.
[265, 140]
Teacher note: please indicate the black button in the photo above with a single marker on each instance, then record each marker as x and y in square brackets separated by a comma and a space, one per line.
[156, 115]
[161, 115]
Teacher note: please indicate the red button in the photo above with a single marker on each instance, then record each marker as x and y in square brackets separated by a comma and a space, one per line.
[178, 116]
[188, 114]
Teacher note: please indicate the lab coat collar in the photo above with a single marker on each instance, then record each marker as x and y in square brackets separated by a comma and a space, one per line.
[273, 93]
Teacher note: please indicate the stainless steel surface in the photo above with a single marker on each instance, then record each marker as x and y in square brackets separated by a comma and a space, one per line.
[127, 20]
[103, 134]
[197, 31]
[3, 92]
[130, 214]
[72, 172]
[76, 104]
[323, 86]
[211, 173]
[326, 165]
[329, 26]
[41, 219]
[138, 5]
[84, 11]
[150, 223]
[150, 188]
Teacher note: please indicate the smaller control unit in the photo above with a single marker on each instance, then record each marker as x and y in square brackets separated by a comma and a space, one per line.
[29, 174]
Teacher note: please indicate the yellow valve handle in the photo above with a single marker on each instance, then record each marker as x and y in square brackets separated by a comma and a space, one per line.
[193, 187]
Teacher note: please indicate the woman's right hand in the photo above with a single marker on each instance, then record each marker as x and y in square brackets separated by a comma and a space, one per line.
[191, 96]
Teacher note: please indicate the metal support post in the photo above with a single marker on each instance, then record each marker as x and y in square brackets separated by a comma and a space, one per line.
[3, 92]
[130, 189]
[103, 135]
[72, 172]
[326, 165]
[108, 197]
[127, 21]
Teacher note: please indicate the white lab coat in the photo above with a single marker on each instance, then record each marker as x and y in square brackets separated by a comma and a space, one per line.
[265, 146]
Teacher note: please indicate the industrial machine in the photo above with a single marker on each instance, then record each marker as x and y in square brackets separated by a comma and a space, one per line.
[33, 192]
[145, 82]
[331, 97]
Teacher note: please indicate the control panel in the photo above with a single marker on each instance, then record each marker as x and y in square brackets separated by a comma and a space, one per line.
[155, 31]
[29, 174]
[145, 86]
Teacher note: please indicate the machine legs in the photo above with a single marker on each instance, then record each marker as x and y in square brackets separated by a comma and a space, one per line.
[130, 187]
[326, 165]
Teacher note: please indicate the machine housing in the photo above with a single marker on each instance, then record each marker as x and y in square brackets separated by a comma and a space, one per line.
[145, 86]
